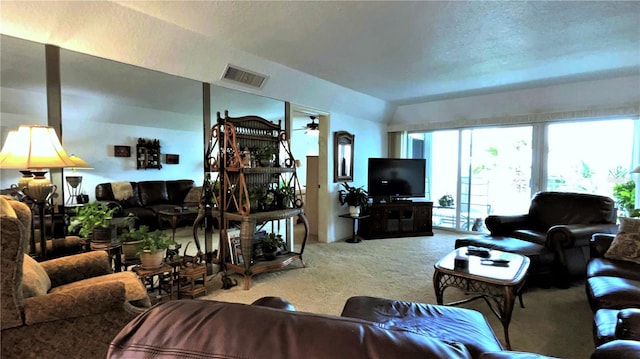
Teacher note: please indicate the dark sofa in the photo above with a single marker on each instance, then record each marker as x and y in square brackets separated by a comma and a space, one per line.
[613, 290]
[148, 198]
[272, 329]
[555, 233]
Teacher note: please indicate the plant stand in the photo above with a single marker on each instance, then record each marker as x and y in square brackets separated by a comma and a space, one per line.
[160, 279]
[192, 281]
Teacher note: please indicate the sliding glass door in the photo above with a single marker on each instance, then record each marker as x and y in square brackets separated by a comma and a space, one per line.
[483, 171]
[475, 172]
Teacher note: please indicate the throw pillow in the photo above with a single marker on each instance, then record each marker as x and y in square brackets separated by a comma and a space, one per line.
[625, 247]
[629, 225]
[35, 280]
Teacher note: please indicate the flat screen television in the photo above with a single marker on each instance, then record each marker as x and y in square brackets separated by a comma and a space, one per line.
[396, 177]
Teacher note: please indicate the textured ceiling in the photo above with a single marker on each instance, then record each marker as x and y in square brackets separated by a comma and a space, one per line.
[408, 52]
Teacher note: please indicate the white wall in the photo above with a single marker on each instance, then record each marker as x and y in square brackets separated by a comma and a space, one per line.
[108, 168]
[370, 141]
[591, 97]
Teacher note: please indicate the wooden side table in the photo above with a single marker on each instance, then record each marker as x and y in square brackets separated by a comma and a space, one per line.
[189, 280]
[175, 216]
[113, 248]
[164, 278]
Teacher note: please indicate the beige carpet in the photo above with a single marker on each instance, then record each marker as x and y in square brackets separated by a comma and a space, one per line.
[554, 322]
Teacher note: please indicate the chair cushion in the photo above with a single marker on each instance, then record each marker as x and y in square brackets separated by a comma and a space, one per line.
[612, 292]
[625, 247]
[612, 268]
[35, 280]
[133, 287]
[604, 326]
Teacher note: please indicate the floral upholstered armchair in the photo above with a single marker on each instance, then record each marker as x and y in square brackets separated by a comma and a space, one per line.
[69, 307]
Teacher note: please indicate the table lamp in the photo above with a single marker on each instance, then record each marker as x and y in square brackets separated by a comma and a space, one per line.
[636, 170]
[34, 148]
[74, 183]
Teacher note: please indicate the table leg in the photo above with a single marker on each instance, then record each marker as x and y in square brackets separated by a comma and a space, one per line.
[174, 223]
[354, 235]
[436, 287]
[117, 261]
[507, 311]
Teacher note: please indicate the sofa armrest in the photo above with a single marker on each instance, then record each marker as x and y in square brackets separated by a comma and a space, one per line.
[75, 303]
[628, 325]
[628, 349]
[77, 267]
[566, 235]
[600, 243]
[503, 225]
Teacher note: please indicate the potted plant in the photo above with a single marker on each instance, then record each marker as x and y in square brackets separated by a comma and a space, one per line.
[257, 194]
[152, 248]
[285, 195]
[131, 239]
[356, 198]
[93, 220]
[270, 244]
[625, 195]
[265, 155]
[446, 201]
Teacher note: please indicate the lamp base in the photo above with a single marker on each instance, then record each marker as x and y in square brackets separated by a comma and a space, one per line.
[74, 184]
[40, 189]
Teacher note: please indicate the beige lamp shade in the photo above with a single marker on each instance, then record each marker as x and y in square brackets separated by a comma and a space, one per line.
[636, 170]
[9, 143]
[34, 147]
[79, 163]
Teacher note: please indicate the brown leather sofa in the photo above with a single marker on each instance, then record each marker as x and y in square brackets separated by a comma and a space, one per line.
[555, 233]
[613, 291]
[148, 198]
[272, 329]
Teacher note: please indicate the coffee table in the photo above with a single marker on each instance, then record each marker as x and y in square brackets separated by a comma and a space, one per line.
[177, 215]
[497, 285]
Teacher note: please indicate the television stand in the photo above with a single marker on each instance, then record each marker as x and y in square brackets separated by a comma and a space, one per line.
[400, 218]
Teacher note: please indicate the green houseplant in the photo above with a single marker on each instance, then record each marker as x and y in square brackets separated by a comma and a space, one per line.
[131, 239]
[265, 155]
[270, 244]
[93, 220]
[152, 248]
[625, 195]
[356, 198]
[446, 201]
[285, 195]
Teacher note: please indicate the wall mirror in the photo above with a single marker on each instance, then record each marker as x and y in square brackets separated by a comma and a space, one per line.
[343, 156]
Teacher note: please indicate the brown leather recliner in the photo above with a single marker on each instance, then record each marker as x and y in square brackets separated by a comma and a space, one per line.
[562, 222]
[68, 307]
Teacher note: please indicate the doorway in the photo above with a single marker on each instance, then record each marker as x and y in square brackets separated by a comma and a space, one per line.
[309, 133]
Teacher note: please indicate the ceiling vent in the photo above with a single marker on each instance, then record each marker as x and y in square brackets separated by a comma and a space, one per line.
[245, 77]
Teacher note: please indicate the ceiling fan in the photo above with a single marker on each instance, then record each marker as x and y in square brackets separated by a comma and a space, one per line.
[311, 127]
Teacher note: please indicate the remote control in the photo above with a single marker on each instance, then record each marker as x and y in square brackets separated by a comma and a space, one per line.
[478, 251]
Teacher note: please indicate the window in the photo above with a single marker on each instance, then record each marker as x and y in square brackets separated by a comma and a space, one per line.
[489, 170]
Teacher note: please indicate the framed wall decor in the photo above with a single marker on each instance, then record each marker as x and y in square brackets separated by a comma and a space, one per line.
[343, 145]
[172, 159]
[122, 151]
